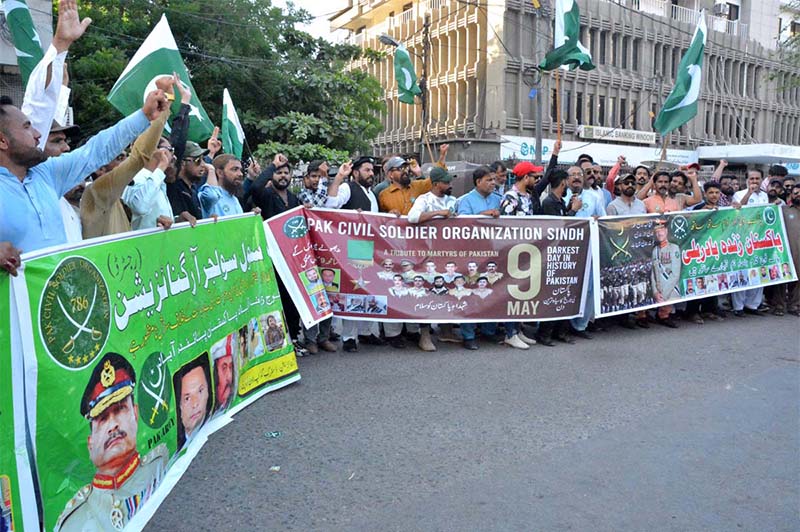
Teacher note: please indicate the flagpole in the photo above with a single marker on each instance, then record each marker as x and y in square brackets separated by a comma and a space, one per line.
[558, 105]
[664, 142]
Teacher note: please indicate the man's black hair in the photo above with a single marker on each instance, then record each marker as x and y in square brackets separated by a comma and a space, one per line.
[557, 177]
[480, 172]
[778, 170]
[710, 184]
[497, 165]
[584, 157]
[313, 166]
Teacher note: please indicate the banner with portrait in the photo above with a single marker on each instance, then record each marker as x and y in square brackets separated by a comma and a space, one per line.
[137, 347]
[651, 260]
[18, 510]
[369, 266]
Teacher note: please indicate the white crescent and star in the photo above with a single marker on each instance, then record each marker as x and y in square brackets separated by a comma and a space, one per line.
[694, 88]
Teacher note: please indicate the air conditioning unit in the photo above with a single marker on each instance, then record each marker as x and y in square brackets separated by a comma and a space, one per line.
[722, 9]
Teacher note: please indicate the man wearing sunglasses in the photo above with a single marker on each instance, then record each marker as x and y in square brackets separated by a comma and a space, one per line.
[182, 193]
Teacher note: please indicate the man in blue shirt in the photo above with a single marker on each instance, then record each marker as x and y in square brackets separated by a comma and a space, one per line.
[219, 196]
[31, 185]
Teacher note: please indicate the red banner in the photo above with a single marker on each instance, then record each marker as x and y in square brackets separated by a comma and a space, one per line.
[469, 268]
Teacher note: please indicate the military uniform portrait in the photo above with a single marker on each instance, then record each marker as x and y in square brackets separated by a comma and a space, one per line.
[124, 480]
[193, 400]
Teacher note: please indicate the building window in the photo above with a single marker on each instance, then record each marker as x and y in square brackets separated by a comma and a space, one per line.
[553, 108]
[656, 58]
[632, 121]
[601, 110]
[579, 107]
[603, 42]
[624, 57]
[794, 28]
[612, 117]
[733, 11]
[567, 109]
[615, 50]
[623, 112]
[635, 55]
[590, 109]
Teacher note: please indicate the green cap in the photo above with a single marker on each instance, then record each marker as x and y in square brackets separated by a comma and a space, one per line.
[440, 175]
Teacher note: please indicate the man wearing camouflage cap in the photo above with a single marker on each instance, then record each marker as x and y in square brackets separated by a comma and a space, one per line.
[124, 480]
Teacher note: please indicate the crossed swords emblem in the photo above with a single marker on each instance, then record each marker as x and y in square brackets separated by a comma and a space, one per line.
[80, 327]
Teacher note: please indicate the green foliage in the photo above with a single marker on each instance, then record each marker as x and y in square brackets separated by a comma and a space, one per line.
[289, 88]
[298, 152]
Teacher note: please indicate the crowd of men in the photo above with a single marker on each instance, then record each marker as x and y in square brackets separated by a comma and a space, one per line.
[132, 176]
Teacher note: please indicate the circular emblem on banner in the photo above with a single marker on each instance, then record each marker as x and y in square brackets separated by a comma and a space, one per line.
[295, 227]
[523, 149]
[679, 226]
[155, 390]
[769, 216]
[74, 313]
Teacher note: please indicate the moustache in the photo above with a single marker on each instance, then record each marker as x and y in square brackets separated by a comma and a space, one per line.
[113, 436]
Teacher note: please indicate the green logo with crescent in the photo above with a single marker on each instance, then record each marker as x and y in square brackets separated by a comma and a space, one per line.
[155, 390]
[295, 227]
[74, 313]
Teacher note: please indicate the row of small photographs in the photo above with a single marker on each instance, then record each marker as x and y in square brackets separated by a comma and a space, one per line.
[459, 290]
[710, 284]
[431, 273]
[358, 304]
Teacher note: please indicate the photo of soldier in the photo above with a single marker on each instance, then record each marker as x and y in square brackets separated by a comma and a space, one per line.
[666, 273]
[483, 291]
[418, 290]
[408, 270]
[491, 274]
[438, 288]
[472, 272]
[224, 372]
[398, 288]
[387, 271]
[460, 290]
[450, 272]
[192, 398]
[430, 272]
[124, 480]
[626, 286]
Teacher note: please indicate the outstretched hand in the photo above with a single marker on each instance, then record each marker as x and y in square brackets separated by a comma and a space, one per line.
[69, 27]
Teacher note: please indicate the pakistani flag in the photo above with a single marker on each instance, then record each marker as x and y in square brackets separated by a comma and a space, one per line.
[26, 41]
[158, 56]
[232, 132]
[567, 48]
[407, 86]
[681, 104]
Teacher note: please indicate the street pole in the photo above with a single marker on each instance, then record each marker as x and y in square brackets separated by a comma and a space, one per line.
[539, 95]
[423, 85]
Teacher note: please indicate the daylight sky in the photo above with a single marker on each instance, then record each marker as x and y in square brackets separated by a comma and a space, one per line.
[322, 10]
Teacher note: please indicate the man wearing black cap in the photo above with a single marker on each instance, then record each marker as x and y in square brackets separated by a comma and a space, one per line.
[124, 480]
[182, 193]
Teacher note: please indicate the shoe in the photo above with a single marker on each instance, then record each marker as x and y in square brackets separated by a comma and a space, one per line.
[413, 337]
[794, 312]
[351, 346]
[472, 345]
[425, 342]
[312, 348]
[668, 322]
[713, 316]
[581, 334]
[564, 338]
[328, 346]
[696, 318]
[529, 341]
[738, 313]
[594, 327]
[515, 342]
[397, 342]
[777, 312]
[300, 351]
[449, 337]
[541, 340]
[370, 339]
[643, 323]
[754, 312]
[628, 324]
[333, 337]
[763, 307]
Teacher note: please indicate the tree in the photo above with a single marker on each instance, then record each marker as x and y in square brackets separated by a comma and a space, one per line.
[790, 45]
[291, 90]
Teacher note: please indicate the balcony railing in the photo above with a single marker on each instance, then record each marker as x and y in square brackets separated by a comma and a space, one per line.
[664, 8]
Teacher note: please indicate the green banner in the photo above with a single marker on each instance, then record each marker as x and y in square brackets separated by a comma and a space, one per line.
[648, 261]
[142, 346]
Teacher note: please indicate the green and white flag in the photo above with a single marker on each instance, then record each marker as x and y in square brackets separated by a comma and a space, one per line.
[681, 104]
[26, 41]
[158, 56]
[232, 132]
[567, 48]
[407, 86]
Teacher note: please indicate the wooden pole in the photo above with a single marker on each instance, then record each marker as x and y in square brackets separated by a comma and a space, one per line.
[664, 142]
[558, 104]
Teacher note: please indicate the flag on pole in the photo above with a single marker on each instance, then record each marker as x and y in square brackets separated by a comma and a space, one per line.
[567, 48]
[27, 45]
[681, 104]
[232, 132]
[158, 56]
[407, 86]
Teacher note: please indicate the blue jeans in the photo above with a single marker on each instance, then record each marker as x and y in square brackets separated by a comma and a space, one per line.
[579, 324]
[487, 329]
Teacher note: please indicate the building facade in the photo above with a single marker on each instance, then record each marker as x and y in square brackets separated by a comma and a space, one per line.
[483, 84]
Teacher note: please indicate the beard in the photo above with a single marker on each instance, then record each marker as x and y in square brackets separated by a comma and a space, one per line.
[28, 157]
[405, 180]
[772, 195]
[280, 184]
[449, 191]
[629, 192]
[366, 183]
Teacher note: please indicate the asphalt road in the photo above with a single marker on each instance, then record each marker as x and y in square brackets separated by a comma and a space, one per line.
[647, 430]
